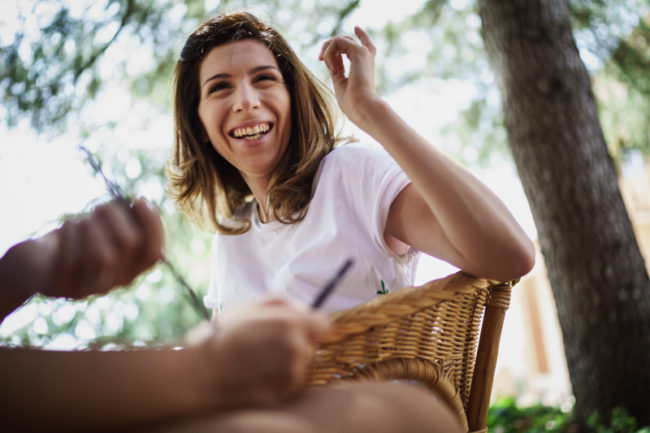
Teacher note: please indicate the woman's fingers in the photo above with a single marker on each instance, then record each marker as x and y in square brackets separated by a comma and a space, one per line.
[107, 248]
[97, 258]
[152, 234]
[332, 53]
[63, 275]
[365, 39]
[333, 50]
[134, 234]
[323, 48]
[123, 238]
[120, 226]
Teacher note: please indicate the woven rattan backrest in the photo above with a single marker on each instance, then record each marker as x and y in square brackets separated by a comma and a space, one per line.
[429, 334]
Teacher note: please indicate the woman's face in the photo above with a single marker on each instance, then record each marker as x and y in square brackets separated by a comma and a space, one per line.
[245, 107]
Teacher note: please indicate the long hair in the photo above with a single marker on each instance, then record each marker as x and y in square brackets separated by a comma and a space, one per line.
[205, 186]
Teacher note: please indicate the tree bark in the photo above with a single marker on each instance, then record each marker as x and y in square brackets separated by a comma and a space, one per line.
[596, 270]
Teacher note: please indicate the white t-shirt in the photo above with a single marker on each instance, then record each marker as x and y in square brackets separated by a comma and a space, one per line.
[355, 186]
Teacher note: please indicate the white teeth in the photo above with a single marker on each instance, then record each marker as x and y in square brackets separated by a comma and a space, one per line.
[255, 131]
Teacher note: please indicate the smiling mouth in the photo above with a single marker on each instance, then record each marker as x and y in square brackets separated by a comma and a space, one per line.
[251, 132]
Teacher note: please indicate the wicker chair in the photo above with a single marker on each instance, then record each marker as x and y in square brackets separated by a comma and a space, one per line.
[429, 334]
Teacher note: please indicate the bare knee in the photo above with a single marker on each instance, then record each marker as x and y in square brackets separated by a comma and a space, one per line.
[268, 421]
[417, 408]
[404, 407]
[376, 407]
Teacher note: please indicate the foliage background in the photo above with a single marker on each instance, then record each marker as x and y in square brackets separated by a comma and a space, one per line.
[99, 73]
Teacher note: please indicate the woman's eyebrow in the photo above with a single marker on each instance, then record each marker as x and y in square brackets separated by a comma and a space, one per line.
[254, 70]
[262, 68]
[215, 77]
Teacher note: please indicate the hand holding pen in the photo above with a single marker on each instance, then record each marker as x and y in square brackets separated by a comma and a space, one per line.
[117, 195]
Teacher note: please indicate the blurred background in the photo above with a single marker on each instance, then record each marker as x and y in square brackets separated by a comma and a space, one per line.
[98, 73]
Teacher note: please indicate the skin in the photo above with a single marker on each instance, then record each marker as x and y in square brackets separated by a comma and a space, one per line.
[242, 86]
[257, 359]
[359, 407]
[107, 248]
[445, 211]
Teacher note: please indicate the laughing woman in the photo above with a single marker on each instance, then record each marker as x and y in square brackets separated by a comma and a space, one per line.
[257, 156]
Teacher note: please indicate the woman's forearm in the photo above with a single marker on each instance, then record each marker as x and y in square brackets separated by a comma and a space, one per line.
[447, 212]
[89, 391]
[470, 214]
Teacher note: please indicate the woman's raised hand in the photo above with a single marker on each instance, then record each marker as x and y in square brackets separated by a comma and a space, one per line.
[357, 88]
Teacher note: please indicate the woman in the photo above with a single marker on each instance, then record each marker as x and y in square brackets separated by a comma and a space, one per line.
[255, 156]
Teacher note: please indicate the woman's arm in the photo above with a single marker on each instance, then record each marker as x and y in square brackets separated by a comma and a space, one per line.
[446, 211]
[257, 359]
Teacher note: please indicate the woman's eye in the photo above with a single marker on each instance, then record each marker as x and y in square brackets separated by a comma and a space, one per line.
[266, 78]
[218, 86]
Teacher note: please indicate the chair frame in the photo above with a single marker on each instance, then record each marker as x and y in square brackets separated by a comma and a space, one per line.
[444, 334]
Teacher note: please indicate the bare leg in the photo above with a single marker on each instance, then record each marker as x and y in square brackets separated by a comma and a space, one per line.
[375, 407]
[350, 408]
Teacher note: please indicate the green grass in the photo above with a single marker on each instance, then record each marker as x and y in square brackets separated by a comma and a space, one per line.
[505, 416]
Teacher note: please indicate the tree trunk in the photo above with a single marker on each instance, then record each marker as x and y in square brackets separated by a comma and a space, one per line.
[596, 270]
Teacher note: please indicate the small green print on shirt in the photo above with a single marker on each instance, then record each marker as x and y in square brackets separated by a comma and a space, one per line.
[383, 289]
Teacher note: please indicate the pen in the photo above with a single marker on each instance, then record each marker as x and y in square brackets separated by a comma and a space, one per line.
[329, 287]
[115, 192]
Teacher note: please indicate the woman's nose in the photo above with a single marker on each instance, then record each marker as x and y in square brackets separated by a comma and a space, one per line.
[246, 98]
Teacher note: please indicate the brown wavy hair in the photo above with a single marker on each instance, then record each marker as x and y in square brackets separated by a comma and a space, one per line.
[204, 185]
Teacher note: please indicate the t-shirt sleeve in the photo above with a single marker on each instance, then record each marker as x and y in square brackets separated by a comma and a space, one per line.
[373, 180]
